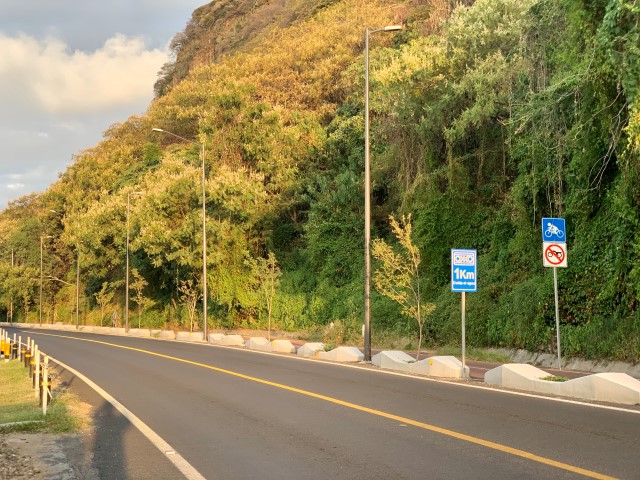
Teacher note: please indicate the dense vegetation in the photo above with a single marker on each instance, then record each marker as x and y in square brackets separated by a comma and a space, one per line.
[486, 117]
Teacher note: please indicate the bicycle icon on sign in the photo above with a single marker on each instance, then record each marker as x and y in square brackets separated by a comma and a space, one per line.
[553, 231]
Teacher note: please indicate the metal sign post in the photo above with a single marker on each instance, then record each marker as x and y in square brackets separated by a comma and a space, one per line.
[464, 278]
[554, 255]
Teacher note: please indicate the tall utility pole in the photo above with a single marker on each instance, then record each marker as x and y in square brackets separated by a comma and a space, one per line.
[42, 237]
[367, 194]
[126, 296]
[204, 230]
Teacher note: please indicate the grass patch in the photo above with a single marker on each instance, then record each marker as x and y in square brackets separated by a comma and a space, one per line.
[554, 378]
[18, 404]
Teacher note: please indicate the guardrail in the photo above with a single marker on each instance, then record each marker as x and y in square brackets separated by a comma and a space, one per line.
[36, 362]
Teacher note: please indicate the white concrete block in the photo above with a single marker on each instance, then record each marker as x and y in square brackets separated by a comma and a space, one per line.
[393, 360]
[164, 334]
[87, 329]
[259, 343]
[445, 366]
[605, 387]
[233, 340]
[118, 331]
[283, 346]
[342, 354]
[139, 332]
[216, 338]
[514, 375]
[190, 336]
[310, 349]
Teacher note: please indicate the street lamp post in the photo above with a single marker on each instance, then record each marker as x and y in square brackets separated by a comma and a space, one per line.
[77, 271]
[77, 284]
[42, 237]
[204, 230]
[126, 295]
[367, 194]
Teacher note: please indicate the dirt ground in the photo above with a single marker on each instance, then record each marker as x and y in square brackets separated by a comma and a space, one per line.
[51, 456]
[46, 456]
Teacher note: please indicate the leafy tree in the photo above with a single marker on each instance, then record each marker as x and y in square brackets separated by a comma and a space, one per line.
[398, 276]
[189, 295]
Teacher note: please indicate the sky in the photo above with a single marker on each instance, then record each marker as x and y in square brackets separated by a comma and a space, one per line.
[68, 70]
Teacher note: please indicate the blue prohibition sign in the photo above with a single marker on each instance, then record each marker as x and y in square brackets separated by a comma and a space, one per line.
[553, 230]
[464, 272]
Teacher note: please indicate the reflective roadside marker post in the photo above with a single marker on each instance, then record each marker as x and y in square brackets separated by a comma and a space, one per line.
[464, 276]
[554, 255]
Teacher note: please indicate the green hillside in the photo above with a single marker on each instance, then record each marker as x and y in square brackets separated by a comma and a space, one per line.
[486, 116]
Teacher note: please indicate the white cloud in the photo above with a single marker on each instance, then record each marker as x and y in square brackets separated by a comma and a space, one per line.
[46, 75]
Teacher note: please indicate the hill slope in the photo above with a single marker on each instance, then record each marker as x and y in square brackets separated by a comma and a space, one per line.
[486, 117]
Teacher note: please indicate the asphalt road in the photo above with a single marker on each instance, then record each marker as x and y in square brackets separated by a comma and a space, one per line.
[234, 413]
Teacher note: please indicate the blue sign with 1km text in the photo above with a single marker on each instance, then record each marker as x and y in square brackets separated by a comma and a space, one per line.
[464, 273]
[553, 230]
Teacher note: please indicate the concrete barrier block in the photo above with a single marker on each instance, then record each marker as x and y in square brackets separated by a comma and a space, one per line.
[259, 343]
[342, 354]
[190, 336]
[445, 366]
[393, 360]
[523, 376]
[514, 375]
[235, 340]
[118, 331]
[216, 338]
[604, 387]
[310, 349]
[164, 334]
[87, 329]
[139, 332]
[282, 346]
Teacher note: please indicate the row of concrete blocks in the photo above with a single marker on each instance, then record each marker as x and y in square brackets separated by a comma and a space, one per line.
[603, 387]
[442, 366]
[448, 366]
[133, 332]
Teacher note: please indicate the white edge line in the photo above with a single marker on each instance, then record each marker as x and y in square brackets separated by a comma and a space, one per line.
[180, 463]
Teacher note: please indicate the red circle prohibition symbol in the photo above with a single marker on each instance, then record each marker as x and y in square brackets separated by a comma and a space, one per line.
[555, 254]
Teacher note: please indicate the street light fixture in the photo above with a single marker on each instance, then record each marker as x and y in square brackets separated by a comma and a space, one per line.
[126, 295]
[367, 194]
[204, 230]
[42, 237]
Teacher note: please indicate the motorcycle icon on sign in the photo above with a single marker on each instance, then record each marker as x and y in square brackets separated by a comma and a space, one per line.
[553, 231]
[555, 254]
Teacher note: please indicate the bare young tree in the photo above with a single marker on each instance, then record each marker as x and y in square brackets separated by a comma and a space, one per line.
[398, 276]
[103, 297]
[267, 274]
[138, 285]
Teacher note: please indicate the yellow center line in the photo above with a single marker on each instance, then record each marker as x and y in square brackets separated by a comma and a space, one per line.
[425, 426]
